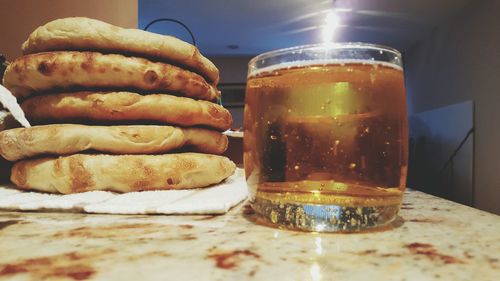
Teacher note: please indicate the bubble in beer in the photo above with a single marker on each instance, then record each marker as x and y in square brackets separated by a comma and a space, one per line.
[274, 216]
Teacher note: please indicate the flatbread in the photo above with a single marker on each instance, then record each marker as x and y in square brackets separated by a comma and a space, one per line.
[126, 106]
[121, 173]
[86, 34]
[60, 139]
[68, 70]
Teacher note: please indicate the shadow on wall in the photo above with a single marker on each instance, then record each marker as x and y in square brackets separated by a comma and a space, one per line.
[441, 152]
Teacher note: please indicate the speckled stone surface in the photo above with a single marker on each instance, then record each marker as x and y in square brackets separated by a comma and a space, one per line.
[432, 239]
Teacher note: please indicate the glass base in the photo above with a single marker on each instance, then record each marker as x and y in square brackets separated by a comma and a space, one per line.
[324, 218]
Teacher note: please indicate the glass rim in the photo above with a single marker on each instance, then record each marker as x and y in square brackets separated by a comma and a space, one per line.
[337, 45]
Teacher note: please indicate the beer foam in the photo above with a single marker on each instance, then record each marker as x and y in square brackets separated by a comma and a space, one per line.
[322, 62]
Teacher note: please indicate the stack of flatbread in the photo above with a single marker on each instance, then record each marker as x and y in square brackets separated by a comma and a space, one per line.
[115, 109]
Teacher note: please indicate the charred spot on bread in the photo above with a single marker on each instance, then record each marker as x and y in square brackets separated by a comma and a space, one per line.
[46, 68]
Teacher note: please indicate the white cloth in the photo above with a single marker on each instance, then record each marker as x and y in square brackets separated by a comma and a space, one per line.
[217, 199]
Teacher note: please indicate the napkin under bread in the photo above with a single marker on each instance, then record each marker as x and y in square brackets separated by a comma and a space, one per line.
[217, 199]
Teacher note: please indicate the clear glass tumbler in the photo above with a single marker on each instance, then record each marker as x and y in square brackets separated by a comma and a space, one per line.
[326, 137]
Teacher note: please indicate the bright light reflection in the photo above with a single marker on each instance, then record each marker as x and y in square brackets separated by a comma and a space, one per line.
[276, 234]
[332, 21]
[320, 227]
[319, 247]
[315, 272]
[344, 10]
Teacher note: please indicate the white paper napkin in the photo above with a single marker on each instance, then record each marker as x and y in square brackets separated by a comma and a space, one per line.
[217, 199]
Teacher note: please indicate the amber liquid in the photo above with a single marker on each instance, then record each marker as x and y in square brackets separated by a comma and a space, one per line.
[332, 134]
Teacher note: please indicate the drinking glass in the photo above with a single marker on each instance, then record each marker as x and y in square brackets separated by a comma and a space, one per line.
[326, 137]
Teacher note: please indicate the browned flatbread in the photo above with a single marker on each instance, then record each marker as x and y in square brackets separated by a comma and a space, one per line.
[84, 34]
[120, 106]
[121, 173]
[59, 139]
[68, 70]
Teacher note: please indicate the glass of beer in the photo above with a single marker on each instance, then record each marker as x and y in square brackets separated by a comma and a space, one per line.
[326, 137]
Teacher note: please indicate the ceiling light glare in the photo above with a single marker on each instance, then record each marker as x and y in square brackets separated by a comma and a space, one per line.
[332, 21]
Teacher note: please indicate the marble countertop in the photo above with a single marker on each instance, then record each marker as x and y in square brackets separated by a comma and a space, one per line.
[432, 239]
